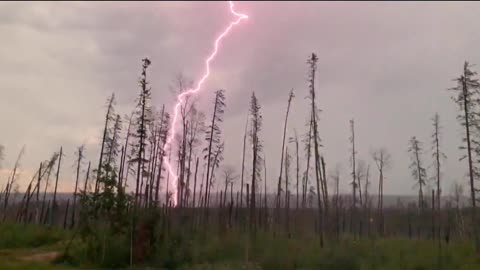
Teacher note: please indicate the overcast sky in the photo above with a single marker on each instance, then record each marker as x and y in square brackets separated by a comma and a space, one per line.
[388, 65]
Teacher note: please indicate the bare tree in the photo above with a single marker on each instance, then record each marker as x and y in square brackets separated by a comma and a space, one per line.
[383, 161]
[126, 167]
[352, 162]
[361, 174]
[437, 154]
[80, 156]
[307, 140]
[217, 159]
[457, 191]
[288, 162]
[419, 172]
[142, 121]
[297, 169]
[255, 128]
[11, 181]
[213, 137]
[109, 116]
[290, 97]
[196, 124]
[312, 63]
[229, 176]
[366, 187]
[54, 200]
[243, 162]
[467, 95]
[112, 147]
[50, 165]
[335, 180]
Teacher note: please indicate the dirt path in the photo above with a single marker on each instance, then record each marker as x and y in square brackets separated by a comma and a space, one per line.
[30, 255]
[43, 256]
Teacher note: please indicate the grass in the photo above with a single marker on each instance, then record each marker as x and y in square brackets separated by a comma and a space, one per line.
[282, 253]
[20, 244]
[229, 251]
[29, 236]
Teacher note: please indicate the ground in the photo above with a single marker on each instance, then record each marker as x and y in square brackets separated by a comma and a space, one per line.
[38, 248]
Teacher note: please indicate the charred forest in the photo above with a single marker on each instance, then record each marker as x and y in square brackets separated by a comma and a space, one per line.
[128, 210]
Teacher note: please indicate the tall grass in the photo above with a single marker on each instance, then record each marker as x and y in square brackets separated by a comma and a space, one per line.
[232, 250]
[29, 236]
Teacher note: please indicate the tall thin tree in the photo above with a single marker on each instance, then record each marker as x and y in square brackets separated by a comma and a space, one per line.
[437, 155]
[255, 128]
[290, 97]
[213, 137]
[383, 161]
[80, 156]
[109, 116]
[243, 162]
[418, 170]
[143, 114]
[467, 96]
[312, 63]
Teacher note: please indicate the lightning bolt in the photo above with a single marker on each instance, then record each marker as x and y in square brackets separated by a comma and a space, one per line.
[181, 97]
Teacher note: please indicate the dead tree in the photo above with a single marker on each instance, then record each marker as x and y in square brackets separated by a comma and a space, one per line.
[54, 200]
[366, 200]
[11, 182]
[108, 118]
[85, 186]
[383, 161]
[354, 176]
[187, 112]
[164, 122]
[243, 162]
[361, 174]
[217, 158]
[229, 176]
[335, 176]
[124, 164]
[51, 164]
[419, 172]
[467, 96]
[288, 161]
[212, 137]
[80, 156]
[255, 128]
[297, 169]
[290, 97]
[352, 162]
[437, 155]
[143, 120]
[196, 126]
[457, 194]
[312, 63]
[195, 183]
[308, 149]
